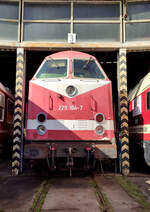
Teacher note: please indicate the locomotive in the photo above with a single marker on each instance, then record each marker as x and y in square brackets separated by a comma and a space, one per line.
[6, 118]
[139, 119]
[70, 112]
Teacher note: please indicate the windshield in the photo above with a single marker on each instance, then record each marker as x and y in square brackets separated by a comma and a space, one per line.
[87, 68]
[52, 68]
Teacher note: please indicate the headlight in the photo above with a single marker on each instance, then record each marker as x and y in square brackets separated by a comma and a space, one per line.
[41, 129]
[71, 90]
[99, 130]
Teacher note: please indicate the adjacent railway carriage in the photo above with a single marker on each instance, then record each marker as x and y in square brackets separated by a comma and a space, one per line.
[6, 116]
[139, 118]
[70, 112]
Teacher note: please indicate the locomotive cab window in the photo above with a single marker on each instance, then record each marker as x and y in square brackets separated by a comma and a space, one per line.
[2, 106]
[87, 68]
[10, 111]
[52, 68]
[148, 100]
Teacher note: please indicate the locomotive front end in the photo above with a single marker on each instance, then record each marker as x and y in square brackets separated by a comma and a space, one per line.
[70, 111]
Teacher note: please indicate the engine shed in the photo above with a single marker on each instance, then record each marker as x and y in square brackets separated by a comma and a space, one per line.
[116, 32]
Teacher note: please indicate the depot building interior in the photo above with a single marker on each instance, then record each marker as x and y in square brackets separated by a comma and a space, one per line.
[42, 27]
[138, 65]
[100, 28]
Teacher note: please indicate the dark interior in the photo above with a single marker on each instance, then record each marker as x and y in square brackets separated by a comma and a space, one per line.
[138, 65]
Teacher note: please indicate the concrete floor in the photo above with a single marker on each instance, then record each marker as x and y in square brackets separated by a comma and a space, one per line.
[118, 198]
[71, 194]
[17, 193]
[66, 194]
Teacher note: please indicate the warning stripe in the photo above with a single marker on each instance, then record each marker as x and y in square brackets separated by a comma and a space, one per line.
[17, 133]
[124, 113]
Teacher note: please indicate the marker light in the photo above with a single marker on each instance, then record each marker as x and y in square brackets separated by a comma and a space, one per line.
[41, 117]
[99, 117]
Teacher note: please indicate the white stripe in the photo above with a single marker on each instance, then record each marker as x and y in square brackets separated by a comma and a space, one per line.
[140, 129]
[60, 86]
[70, 124]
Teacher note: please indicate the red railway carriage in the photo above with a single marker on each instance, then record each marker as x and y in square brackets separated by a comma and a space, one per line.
[139, 118]
[70, 111]
[6, 116]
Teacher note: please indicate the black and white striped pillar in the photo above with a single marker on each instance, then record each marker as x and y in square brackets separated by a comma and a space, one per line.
[17, 155]
[124, 112]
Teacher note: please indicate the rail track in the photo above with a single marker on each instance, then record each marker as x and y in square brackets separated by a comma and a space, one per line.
[40, 197]
[103, 202]
[66, 193]
[91, 182]
[57, 187]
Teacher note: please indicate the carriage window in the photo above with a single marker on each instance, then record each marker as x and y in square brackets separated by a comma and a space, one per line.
[148, 100]
[10, 111]
[87, 68]
[1, 114]
[52, 68]
[2, 106]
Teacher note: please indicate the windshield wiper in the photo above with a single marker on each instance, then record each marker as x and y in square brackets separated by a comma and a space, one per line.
[54, 62]
[86, 64]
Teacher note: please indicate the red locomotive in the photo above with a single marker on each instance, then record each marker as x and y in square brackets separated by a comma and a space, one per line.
[139, 118]
[70, 111]
[6, 116]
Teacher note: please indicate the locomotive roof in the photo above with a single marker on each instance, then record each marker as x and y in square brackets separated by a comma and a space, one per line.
[70, 54]
[6, 90]
[140, 87]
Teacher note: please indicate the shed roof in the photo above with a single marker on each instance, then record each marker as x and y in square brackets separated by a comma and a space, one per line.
[140, 87]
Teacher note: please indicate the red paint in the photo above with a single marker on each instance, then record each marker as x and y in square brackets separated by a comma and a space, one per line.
[6, 128]
[98, 100]
[39, 96]
[141, 119]
[62, 135]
